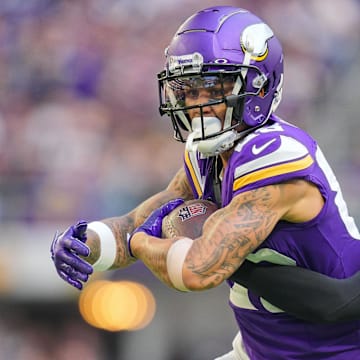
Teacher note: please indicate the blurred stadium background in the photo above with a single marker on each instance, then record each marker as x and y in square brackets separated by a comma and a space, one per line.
[81, 138]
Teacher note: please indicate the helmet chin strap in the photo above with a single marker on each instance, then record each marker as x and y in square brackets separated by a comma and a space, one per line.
[214, 145]
[218, 144]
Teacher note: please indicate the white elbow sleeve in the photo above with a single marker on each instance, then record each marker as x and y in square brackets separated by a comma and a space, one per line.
[175, 260]
[107, 245]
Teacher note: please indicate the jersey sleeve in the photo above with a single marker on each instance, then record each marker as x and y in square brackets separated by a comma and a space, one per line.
[270, 159]
[303, 293]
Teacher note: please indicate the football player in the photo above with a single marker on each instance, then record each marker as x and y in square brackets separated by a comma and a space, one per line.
[282, 232]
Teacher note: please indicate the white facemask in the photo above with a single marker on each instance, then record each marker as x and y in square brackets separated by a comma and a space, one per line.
[212, 146]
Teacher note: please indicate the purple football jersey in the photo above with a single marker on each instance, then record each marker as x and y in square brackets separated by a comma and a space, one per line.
[329, 244]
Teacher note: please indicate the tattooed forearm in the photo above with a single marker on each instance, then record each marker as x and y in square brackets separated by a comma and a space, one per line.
[124, 225]
[120, 227]
[94, 245]
[178, 188]
[180, 185]
[231, 234]
[152, 253]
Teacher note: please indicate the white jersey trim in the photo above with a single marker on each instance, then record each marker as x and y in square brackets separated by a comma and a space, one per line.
[239, 296]
[289, 150]
[339, 200]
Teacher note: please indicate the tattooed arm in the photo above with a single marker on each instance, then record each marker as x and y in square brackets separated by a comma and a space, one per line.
[231, 233]
[122, 225]
[102, 245]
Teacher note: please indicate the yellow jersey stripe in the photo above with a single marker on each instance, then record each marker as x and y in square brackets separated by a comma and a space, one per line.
[193, 173]
[273, 171]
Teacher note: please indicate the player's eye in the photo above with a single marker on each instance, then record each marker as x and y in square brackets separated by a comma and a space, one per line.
[216, 93]
[192, 93]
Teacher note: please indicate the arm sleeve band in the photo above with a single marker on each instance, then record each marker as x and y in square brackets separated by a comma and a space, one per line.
[175, 261]
[303, 293]
[107, 245]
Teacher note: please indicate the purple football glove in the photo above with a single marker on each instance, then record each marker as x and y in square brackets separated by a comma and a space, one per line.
[152, 225]
[66, 250]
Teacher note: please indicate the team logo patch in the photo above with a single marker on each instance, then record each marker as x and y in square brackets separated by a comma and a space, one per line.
[191, 211]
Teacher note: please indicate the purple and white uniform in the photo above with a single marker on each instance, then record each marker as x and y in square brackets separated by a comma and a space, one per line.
[329, 244]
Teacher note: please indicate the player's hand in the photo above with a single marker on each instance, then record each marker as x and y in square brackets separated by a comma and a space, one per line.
[152, 225]
[66, 249]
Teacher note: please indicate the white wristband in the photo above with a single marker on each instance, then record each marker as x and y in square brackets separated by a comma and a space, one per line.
[175, 260]
[107, 245]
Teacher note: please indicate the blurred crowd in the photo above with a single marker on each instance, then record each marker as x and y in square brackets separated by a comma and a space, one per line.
[80, 131]
[29, 337]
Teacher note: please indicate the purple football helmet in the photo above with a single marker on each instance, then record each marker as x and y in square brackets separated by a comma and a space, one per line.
[229, 50]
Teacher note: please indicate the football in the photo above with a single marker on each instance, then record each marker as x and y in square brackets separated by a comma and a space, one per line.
[188, 219]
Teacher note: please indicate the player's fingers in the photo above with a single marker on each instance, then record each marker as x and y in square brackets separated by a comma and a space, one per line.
[73, 273]
[74, 244]
[68, 258]
[79, 247]
[77, 284]
[69, 232]
[170, 206]
[80, 276]
[79, 230]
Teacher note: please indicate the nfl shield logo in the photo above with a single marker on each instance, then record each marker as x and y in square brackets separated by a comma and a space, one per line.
[192, 210]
